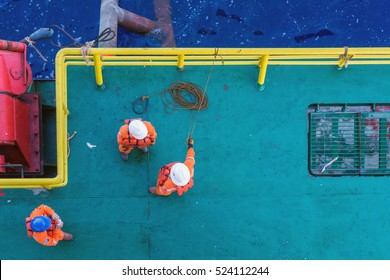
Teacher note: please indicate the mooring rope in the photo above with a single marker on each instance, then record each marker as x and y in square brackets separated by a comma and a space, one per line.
[70, 138]
[31, 44]
[106, 35]
[204, 97]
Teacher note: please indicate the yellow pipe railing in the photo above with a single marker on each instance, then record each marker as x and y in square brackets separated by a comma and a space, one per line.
[61, 179]
[226, 56]
[179, 57]
[97, 59]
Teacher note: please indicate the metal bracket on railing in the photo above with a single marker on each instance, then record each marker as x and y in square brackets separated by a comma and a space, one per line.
[344, 59]
[15, 165]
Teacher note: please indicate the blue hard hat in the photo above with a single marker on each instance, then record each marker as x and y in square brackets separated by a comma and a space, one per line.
[40, 223]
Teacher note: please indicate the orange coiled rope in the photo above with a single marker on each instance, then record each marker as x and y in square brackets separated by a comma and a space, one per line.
[184, 96]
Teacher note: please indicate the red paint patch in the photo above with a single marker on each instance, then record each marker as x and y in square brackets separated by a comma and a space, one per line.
[225, 87]
[373, 123]
[388, 130]
[382, 108]
[1, 193]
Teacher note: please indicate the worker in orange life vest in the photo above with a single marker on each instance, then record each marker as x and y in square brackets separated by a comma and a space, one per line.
[135, 133]
[176, 176]
[45, 226]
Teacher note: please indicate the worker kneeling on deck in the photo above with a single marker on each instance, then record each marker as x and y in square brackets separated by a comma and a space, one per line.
[135, 133]
[45, 226]
[176, 176]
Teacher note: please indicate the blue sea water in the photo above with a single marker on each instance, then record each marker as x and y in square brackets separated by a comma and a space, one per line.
[201, 23]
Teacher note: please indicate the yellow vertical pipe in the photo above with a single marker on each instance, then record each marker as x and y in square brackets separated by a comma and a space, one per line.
[98, 71]
[263, 69]
[180, 64]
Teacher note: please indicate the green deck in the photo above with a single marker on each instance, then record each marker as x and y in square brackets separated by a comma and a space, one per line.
[253, 196]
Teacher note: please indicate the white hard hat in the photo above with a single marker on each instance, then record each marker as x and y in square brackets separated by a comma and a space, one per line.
[180, 174]
[138, 129]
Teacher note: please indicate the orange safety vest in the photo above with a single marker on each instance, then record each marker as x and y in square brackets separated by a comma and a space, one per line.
[164, 172]
[129, 140]
[163, 176]
[49, 237]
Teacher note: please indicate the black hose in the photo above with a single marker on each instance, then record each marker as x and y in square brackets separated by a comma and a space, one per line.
[138, 103]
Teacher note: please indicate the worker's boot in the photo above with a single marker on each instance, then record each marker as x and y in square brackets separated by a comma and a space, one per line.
[68, 236]
[124, 156]
[152, 190]
[145, 149]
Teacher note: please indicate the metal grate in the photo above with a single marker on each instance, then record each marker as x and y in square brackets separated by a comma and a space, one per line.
[349, 140]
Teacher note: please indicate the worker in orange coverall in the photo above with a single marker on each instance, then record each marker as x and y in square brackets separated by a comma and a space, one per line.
[45, 226]
[176, 176]
[135, 133]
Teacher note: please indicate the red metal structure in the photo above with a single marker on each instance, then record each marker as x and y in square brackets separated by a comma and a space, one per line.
[19, 114]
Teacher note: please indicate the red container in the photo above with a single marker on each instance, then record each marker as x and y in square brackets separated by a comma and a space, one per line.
[15, 72]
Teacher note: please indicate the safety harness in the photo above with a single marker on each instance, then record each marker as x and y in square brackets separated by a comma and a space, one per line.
[136, 143]
[164, 173]
[163, 176]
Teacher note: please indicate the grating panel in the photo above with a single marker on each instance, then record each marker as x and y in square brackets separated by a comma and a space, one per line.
[349, 143]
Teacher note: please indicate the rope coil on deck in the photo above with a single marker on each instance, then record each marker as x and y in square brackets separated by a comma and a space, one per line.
[174, 98]
[179, 91]
[178, 96]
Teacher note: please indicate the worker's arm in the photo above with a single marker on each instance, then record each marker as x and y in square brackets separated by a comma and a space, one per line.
[120, 138]
[58, 234]
[48, 210]
[43, 210]
[190, 158]
[151, 131]
[51, 213]
[189, 162]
